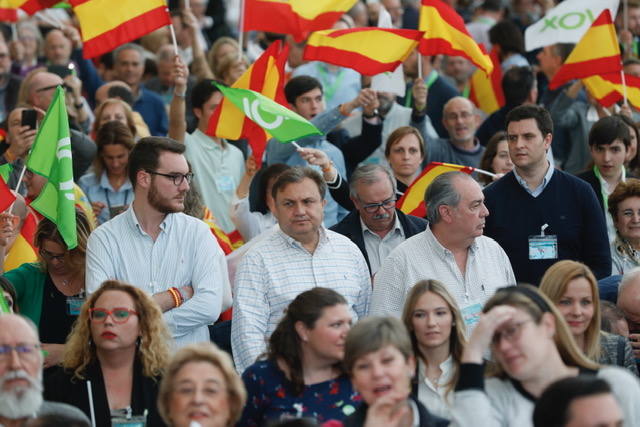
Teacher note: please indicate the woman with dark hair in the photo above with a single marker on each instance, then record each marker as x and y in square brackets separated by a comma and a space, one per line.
[51, 292]
[507, 40]
[251, 223]
[405, 152]
[496, 158]
[302, 375]
[632, 162]
[108, 187]
[624, 208]
[9, 294]
[532, 347]
[120, 344]
[437, 331]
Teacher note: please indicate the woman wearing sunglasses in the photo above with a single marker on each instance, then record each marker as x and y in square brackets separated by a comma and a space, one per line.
[119, 344]
[51, 291]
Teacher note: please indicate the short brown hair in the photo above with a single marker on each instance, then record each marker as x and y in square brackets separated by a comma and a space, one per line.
[111, 133]
[298, 174]
[400, 133]
[209, 353]
[623, 191]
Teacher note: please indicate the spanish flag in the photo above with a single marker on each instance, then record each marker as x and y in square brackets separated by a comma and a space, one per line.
[596, 53]
[295, 17]
[6, 196]
[607, 88]
[8, 11]
[107, 24]
[445, 33]
[486, 90]
[266, 76]
[412, 202]
[32, 6]
[368, 50]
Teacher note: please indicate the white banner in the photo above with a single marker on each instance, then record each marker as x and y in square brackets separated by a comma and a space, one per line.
[567, 22]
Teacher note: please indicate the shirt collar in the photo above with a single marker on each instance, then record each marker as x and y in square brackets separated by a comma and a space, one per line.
[545, 180]
[104, 183]
[437, 246]
[396, 226]
[293, 242]
[133, 220]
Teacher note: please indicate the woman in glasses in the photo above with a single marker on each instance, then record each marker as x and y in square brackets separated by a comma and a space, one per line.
[51, 291]
[120, 345]
[532, 347]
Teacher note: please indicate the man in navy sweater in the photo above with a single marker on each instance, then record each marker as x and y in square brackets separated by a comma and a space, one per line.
[540, 215]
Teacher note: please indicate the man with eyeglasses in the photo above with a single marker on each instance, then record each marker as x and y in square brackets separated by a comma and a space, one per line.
[21, 375]
[376, 226]
[451, 250]
[154, 246]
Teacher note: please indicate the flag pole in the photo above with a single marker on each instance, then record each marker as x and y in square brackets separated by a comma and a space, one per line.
[241, 29]
[484, 172]
[24, 168]
[624, 87]
[173, 38]
[420, 65]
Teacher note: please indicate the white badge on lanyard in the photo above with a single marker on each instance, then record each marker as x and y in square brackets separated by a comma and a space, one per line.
[543, 246]
[225, 183]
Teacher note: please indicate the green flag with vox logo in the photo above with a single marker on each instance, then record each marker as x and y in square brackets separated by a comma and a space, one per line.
[280, 122]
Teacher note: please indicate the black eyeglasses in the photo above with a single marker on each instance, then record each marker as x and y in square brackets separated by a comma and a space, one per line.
[177, 178]
[48, 256]
[64, 86]
[373, 207]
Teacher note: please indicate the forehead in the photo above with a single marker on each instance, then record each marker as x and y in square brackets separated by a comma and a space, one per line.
[215, 98]
[523, 126]
[381, 188]
[113, 107]
[129, 55]
[14, 329]
[313, 93]
[55, 36]
[630, 202]
[172, 162]
[299, 190]
[409, 139]
[458, 105]
[114, 298]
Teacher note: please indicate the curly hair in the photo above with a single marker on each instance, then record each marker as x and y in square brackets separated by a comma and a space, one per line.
[623, 191]
[209, 353]
[153, 350]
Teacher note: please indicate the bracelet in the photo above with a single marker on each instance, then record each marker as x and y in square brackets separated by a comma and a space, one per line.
[177, 297]
[328, 169]
[180, 95]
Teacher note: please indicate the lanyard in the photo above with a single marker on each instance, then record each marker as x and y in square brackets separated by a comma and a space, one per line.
[603, 186]
[466, 90]
[330, 90]
[432, 78]
[106, 195]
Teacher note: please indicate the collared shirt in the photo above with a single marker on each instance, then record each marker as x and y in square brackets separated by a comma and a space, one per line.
[379, 248]
[422, 257]
[217, 170]
[184, 253]
[279, 268]
[102, 191]
[605, 193]
[434, 396]
[537, 191]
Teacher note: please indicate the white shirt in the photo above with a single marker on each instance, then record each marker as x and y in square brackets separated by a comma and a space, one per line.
[184, 253]
[422, 257]
[249, 224]
[217, 171]
[434, 396]
[278, 269]
[379, 248]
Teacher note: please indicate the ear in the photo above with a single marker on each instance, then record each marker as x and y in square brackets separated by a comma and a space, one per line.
[197, 112]
[547, 141]
[324, 203]
[549, 322]
[445, 213]
[143, 179]
[301, 330]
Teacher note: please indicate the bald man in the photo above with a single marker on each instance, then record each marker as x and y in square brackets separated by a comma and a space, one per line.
[460, 119]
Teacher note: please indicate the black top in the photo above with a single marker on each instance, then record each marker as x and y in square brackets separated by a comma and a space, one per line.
[55, 320]
[426, 419]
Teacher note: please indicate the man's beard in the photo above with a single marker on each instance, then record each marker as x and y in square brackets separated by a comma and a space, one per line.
[160, 203]
[20, 401]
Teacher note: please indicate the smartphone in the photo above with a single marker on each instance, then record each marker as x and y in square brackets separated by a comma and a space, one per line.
[29, 118]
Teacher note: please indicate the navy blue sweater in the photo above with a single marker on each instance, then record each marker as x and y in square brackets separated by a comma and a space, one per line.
[571, 209]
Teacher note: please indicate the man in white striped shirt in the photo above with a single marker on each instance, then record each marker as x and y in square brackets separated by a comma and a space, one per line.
[299, 256]
[156, 247]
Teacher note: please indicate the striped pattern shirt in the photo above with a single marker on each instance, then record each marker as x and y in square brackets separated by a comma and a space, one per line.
[184, 253]
[276, 270]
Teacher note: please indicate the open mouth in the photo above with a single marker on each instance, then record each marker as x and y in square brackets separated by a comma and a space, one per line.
[383, 389]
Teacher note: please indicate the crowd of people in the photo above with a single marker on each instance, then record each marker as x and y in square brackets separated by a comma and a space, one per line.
[212, 287]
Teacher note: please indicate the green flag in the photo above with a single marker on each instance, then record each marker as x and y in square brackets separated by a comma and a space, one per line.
[282, 123]
[5, 171]
[51, 157]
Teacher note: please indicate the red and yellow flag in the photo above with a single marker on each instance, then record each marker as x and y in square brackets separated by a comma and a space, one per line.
[266, 76]
[607, 88]
[32, 6]
[596, 53]
[412, 202]
[445, 33]
[486, 90]
[107, 24]
[295, 17]
[368, 50]
[8, 11]
[6, 196]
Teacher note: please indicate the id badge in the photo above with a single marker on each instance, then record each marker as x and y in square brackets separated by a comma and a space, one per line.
[543, 247]
[225, 183]
[117, 210]
[137, 421]
[471, 314]
[74, 304]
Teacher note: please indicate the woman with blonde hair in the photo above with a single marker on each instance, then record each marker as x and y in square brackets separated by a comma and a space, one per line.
[437, 332]
[532, 347]
[201, 386]
[113, 109]
[573, 288]
[120, 345]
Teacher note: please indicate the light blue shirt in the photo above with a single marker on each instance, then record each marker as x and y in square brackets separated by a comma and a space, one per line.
[276, 270]
[537, 191]
[338, 86]
[102, 191]
[184, 253]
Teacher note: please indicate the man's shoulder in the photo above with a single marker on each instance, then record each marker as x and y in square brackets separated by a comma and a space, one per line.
[411, 224]
[570, 184]
[349, 225]
[501, 185]
[410, 246]
[57, 408]
[149, 96]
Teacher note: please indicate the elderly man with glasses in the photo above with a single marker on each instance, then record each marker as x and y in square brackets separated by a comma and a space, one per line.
[156, 247]
[376, 226]
[21, 375]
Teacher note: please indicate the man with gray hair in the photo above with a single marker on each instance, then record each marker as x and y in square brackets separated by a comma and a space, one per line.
[452, 250]
[128, 66]
[629, 303]
[376, 226]
[21, 375]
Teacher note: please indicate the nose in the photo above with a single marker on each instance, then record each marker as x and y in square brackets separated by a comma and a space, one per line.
[198, 396]
[484, 212]
[606, 156]
[431, 320]
[377, 370]
[15, 363]
[575, 309]
[298, 209]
